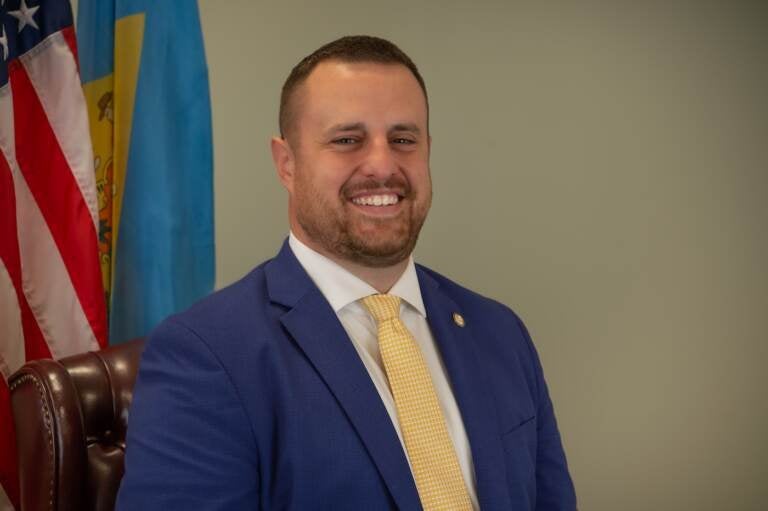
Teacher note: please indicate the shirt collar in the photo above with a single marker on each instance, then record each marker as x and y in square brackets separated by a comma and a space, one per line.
[340, 287]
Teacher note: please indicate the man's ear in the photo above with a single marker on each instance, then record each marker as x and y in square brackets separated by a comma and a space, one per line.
[285, 163]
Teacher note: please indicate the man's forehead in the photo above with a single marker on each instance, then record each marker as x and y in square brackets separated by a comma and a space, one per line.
[335, 79]
[337, 70]
[358, 93]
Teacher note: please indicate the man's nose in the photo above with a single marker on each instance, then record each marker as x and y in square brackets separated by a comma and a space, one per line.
[380, 162]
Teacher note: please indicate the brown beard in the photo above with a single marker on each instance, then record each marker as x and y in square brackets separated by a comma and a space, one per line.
[334, 227]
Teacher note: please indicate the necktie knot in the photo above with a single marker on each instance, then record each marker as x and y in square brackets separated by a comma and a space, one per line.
[383, 307]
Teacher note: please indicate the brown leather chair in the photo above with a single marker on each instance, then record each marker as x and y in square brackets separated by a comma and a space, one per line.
[70, 417]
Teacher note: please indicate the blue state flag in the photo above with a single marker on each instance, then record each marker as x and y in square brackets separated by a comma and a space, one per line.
[145, 79]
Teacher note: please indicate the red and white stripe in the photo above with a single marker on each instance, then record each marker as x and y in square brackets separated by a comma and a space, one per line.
[51, 295]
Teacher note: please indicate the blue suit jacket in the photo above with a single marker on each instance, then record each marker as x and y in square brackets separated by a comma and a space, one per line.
[255, 398]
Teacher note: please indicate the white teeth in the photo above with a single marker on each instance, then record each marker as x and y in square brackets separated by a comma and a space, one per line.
[377, 200]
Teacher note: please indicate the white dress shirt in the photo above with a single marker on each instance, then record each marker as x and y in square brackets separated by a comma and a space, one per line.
[344, 291]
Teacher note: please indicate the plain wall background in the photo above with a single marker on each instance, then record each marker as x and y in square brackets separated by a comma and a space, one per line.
[602, 168]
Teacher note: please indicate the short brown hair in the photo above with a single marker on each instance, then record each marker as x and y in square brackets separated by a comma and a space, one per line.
[354, 48]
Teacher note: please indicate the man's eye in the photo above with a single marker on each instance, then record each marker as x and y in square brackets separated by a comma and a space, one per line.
[403, 141]
[345, 140]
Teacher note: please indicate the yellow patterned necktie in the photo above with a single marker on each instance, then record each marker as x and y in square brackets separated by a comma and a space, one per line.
[430, 450]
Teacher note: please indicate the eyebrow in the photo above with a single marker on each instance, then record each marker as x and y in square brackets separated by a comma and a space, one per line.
[411, 127]
[359, 126]
[354, 126]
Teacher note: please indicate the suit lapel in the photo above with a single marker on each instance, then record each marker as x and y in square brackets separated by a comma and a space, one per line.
[472, 392]
[316, 329]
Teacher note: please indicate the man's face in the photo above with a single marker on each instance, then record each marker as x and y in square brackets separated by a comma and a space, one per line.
[360, 186]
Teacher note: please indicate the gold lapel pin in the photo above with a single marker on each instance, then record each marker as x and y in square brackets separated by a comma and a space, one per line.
[458, 319]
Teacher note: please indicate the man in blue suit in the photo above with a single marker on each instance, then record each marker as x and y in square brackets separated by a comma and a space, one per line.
[278, 393]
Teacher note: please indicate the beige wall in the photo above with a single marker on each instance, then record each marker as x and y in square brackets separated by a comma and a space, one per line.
[601, 169]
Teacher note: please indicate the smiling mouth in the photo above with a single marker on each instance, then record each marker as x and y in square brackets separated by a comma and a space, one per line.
[379, 199]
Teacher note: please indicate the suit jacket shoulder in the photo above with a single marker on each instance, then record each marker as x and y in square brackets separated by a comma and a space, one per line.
[490, 318]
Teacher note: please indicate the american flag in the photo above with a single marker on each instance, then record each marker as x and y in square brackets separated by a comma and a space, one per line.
[51, 294]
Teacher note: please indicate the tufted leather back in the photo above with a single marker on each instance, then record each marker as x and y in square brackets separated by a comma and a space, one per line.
[71, 417]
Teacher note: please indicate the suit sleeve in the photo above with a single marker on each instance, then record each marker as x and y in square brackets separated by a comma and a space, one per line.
[554, 487]
[189, 443]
